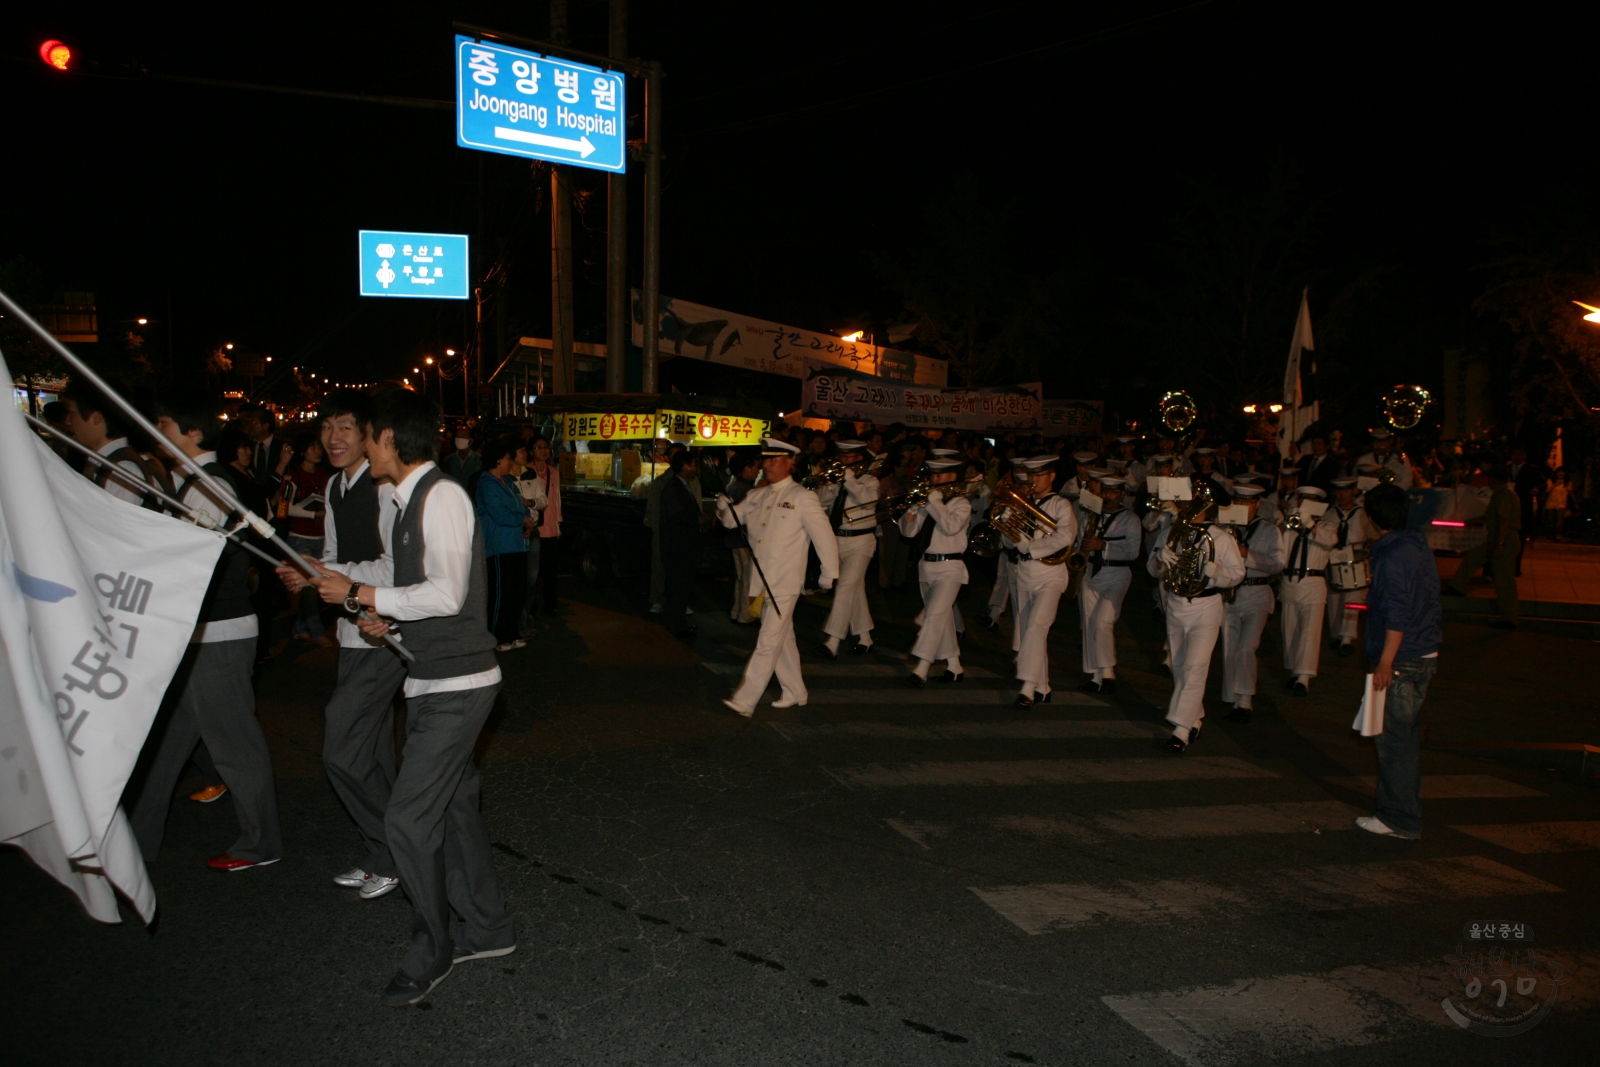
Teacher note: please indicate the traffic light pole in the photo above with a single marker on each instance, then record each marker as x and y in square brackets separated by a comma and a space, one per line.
[617, 238]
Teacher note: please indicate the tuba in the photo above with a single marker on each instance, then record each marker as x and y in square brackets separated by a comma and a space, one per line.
[1405, 405]
[1189, 538]
[1177, 411]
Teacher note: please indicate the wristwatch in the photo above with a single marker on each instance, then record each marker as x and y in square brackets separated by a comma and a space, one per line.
[351, 603]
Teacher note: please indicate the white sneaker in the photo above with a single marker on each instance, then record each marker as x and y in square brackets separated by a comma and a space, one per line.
[1374, 825]
[377, 885]
[354, 878]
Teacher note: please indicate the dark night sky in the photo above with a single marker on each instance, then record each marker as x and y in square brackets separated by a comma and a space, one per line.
[801, 137]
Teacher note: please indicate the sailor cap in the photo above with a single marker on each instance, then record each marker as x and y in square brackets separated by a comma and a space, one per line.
[771, 446]
[1343, 483]
[942, 464]
[1085, 457]
[852, 446]
[1249, 492]
[1312, 491]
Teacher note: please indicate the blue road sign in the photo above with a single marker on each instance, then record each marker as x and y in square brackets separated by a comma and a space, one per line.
[524, 104]
[429, 265]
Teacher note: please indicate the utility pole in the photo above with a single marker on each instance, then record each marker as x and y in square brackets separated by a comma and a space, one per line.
[617, 331]
[652, 225]
[561, 311]
[477, 292]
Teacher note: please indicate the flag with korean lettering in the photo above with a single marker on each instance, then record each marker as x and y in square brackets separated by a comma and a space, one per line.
[98, 600]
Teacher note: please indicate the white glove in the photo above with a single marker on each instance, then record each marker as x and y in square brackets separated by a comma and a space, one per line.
[1168, 557]
[825, 583]
[935, 496]
[724, 505]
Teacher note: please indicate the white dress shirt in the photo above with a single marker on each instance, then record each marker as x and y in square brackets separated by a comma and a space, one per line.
[116, 486]
[376, 572]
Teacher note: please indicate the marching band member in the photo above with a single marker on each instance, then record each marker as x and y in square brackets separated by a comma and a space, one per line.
[1112, 551]
[1205, 470]
[1304, 589]
[1384, 454]
[1133, 469]
[854, 523]
[1005, 574]
[1193, 624]
[780, 518]
[1277, 503]
[1353, 533]
[1246, 616]
[1039, 584]
[1082, 462]
[1158, 515]
[941, 572]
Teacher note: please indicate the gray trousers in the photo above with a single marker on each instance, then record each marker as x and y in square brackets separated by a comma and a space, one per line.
[437, 833]
[358, 745]
[210, 697]
[658, 572]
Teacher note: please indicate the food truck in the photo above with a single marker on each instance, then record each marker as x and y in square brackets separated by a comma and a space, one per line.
[605, 442]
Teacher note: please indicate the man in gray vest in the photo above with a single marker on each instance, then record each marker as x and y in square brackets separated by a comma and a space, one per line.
[358, 725]
[434, 827]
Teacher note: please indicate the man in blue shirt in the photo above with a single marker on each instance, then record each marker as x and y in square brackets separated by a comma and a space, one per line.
[1404, 628]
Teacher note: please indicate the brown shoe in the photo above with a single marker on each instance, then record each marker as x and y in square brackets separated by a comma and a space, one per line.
[209, 793]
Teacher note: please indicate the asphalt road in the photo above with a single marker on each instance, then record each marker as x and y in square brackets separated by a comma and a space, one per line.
[882, 876]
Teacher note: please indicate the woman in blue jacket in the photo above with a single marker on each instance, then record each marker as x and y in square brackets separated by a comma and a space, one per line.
[506, 526]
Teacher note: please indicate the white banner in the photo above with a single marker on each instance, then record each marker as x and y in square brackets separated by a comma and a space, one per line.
[98, 600]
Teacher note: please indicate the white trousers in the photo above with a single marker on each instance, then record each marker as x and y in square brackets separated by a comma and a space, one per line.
[775, 654]
[1243, 623]
[1192, 629]
[1099, 607]
[936, 633]
[1038, 599]
[850, 614]
[1004, 579]
[1303, 601]
[1342, 623]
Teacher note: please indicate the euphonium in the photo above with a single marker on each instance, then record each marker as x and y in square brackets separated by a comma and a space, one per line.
[1013, 516]
[1189, 538]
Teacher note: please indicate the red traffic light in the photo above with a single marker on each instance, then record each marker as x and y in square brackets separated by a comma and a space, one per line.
[56, 54]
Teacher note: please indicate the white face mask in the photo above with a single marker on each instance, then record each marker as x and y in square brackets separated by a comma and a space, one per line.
[462, 444]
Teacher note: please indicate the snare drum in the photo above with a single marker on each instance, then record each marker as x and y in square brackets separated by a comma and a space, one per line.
[1349, 576]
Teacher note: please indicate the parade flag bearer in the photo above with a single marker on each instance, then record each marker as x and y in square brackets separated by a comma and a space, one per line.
[780, 519]
[1113, 552]
[854, 523]
[1246, 617]
[941, 572]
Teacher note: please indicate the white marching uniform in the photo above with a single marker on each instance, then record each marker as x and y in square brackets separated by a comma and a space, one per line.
[1193, 627]
[1304, 591]
[1104, 586]
[857, 543]
[940, 579]
[1395, 461]
[1038, 592]
[1353, 530]
[780, 520]
[1155, 523]
[1246, 618]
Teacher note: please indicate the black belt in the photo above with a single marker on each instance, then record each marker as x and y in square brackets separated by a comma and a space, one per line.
[855, 533]
[1260, 581]
[935, 557]
[1213, 591]
[1308, 574]
[1013, 555]
[1118, 562]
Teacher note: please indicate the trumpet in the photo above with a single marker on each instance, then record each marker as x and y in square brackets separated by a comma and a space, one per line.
[828, 471]
[895, 506]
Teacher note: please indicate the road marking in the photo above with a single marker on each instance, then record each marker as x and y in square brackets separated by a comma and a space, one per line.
[1043, 908]
[1150, 824]
[918, 832]
[1049, 771]
[1534, 837]
[1259, 1019]
[1036, 730]
[1446, 786]
[846, 670]
[940, 693]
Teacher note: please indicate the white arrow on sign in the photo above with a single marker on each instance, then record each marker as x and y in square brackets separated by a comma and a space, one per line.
[583, 147]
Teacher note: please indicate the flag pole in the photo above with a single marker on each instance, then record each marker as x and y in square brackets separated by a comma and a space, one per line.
[223, 491]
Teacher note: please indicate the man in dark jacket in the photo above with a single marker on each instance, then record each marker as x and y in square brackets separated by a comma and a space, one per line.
[1404, 628]
[1502, 526]
[1528, 481]
[745, 467]
[680, 520]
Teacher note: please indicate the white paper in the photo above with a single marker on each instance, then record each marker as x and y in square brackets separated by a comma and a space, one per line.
[1363, 483]
[1369, 719]
[1090, 502]
[1312, 509]
[1170, 488]
[1233, 515]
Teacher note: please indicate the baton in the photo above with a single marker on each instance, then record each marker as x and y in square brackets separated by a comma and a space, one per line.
[744, 535]
[223, 492]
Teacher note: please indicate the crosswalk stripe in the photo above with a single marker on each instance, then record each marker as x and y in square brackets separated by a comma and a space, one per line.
[1032, 730]
[1043, 908]
[1151, 824]
[941, 693]
[1446, 786]
[1047, 772]
[1257, 1019]
[851, 669]
[1534, 837]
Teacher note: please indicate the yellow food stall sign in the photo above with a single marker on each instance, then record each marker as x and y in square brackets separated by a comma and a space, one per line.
[607, 426]
[702, 428]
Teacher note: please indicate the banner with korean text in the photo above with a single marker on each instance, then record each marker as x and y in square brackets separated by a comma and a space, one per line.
[830, 392]
[98, 600]
[699, 332]
[1074, 418]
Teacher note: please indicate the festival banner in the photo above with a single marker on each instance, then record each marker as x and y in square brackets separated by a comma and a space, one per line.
[1073, 418]
[706, 428]
[98, 600]
[695, 331]
[830, 392]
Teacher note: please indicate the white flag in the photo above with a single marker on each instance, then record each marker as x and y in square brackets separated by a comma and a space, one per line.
[98, 600]
[1297, 414]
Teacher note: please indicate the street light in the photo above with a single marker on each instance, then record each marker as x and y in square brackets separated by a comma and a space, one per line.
[229, 346]
[1594, 312]
[143, 322]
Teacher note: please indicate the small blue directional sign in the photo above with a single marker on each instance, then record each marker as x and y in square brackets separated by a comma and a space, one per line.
[429, 265]
[525, 104]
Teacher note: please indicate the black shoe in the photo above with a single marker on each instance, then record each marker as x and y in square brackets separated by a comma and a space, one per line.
[1108, 685]
[403, 989]
[1024, 700]
[1090, 686]
[831, 653]
[1299, 689]
[1173, 745]
[1348, 648]
[1239, 715]
[1290, 683]
[986, 621]
[688, 634]
[461, 953]
[916, 681]
[860, 649]
[952, 676]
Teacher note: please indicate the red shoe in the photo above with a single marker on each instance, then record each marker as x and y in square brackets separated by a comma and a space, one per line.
[225, 862]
